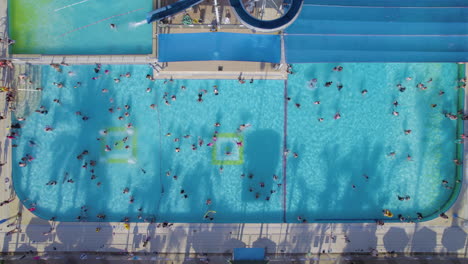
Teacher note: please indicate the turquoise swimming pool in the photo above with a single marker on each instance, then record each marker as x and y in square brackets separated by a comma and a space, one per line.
[67, 27]
[132, 148]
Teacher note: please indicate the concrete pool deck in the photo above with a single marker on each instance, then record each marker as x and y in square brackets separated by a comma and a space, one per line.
[187, 243]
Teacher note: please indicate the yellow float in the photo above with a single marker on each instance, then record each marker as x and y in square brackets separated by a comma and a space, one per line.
[387, 213]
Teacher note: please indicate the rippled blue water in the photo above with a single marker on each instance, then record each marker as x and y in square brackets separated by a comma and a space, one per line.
[333, 155]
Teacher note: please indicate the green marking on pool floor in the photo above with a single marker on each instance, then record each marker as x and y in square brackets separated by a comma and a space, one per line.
[225, 150]
[119, 153]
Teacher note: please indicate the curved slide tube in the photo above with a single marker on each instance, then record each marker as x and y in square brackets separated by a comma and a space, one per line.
[267, 25]
[244, 16]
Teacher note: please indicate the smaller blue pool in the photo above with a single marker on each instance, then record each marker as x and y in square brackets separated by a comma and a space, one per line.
[219, 46]
[80, 27]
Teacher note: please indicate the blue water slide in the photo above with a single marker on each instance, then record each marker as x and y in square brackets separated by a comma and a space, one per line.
[390, 3]
[170, 10]
[293, 10]
[291, 14]
[381, 31]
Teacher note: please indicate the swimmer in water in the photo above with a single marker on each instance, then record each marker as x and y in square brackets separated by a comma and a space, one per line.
[337, 116]
[244, 126]
[313, 83]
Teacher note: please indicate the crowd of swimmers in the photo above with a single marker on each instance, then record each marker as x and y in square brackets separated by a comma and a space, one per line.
[89, 164]
[258, 189]
[462, 84]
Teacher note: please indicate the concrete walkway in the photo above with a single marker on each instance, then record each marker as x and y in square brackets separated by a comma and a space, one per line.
[187, 243]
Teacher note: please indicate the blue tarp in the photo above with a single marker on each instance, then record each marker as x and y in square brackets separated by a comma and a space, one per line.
[249, 254]
[219, 46]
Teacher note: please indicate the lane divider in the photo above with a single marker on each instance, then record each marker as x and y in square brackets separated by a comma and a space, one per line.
[77, 3]
[285, 147]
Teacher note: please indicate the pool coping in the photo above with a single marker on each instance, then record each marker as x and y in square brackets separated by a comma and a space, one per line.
[283, 235]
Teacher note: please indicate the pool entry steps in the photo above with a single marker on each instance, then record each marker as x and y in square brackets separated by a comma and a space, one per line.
[382, 31]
